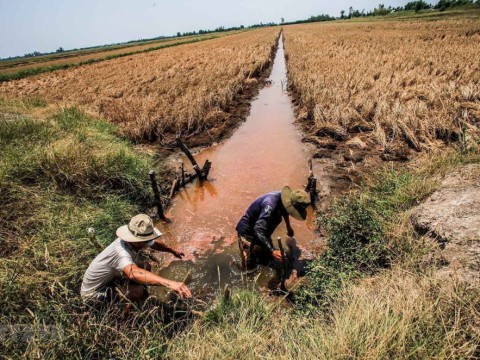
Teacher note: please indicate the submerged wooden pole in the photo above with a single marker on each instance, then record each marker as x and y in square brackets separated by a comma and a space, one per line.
[174, 188]
[183, 174]
[206, 168]
[284, 264]
[202, 173]
[242, 255]
[226, 293]
[156, 195]
[311, 187]
[190, 157]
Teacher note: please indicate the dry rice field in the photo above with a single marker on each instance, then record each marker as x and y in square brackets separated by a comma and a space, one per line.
[94, 54]
[396, 86]
[182, 90]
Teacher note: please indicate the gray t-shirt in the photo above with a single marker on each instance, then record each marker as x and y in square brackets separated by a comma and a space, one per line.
[107, 266]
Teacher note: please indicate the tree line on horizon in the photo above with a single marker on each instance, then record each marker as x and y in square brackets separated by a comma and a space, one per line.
[416, 6]
[381, 10]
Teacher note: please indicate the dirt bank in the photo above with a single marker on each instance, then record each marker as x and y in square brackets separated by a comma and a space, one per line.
[451, 216]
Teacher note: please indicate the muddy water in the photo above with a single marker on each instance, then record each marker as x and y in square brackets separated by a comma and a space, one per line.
[264, 154]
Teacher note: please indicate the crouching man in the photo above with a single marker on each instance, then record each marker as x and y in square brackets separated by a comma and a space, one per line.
[119, 265]
[261, 219]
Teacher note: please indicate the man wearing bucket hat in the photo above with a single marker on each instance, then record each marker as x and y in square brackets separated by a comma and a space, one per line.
[119, 264]
[262, 218]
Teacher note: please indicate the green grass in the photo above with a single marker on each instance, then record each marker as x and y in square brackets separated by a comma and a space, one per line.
[368, 229]
[397, 315]
[58, 176]
[357, 227]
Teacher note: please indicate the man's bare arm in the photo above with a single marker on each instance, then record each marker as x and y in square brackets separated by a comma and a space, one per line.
[159, 245]
[144, 277]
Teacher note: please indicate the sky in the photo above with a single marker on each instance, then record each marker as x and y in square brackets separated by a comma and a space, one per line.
[46, 25]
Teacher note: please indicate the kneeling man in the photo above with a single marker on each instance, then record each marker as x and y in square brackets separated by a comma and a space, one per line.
[119, 264]
[263, 216]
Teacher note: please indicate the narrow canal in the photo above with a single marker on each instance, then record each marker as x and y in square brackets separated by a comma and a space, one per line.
[264, 154]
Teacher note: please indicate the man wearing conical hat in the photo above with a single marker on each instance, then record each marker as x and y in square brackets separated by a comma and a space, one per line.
[262, 218]
[119, 264]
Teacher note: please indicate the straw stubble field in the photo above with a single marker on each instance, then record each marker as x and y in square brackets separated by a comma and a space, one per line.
[184, 90]
[396, 86]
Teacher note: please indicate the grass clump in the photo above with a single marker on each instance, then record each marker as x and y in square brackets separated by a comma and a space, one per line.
[60, 175]
[396, 314]
[74, 153]
[357, 228]
[369, 229]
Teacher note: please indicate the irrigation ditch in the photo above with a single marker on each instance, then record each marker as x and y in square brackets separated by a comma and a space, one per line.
[263, 154]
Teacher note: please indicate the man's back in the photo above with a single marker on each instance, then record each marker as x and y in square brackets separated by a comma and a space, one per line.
[267, 208]
[107, 266]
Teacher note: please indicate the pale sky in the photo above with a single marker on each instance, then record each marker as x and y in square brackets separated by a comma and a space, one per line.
[45, 25]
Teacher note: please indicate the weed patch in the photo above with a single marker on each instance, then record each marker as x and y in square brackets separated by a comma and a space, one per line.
[367, 231]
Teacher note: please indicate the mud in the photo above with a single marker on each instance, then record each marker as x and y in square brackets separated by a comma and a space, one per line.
[265, 153]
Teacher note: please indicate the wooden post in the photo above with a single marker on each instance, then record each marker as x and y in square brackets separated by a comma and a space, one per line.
[93, 239]
[226, 293]
[311, 187]
[156, 195]
[242, 255]
[206, 168]
[183, 174]
[284, 264]
[173, 188]
[190, 157]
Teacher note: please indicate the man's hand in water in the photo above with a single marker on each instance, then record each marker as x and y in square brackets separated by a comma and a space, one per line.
[290, 232]
[178, 254]
[180, 289]
[277, 255]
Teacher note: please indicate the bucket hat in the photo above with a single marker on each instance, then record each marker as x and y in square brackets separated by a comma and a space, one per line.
[295, 202]
[139, 229]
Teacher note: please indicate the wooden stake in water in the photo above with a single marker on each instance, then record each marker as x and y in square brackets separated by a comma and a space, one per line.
[243, 260]
[183, 174]
[190, 157]
[284, 262]
[311, 187]
[156, 195]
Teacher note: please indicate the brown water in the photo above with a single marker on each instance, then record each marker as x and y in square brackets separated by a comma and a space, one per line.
[264, 154]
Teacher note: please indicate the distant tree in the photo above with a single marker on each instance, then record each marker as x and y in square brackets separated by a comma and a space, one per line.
[283, 20]
[350, 12]
[342, 14]
[179, 34]
[59, 50]
[380, 11]
[322, 17]
[417, 5]
[445, 4]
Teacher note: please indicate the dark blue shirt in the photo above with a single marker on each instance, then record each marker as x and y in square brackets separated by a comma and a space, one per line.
[262, 218]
